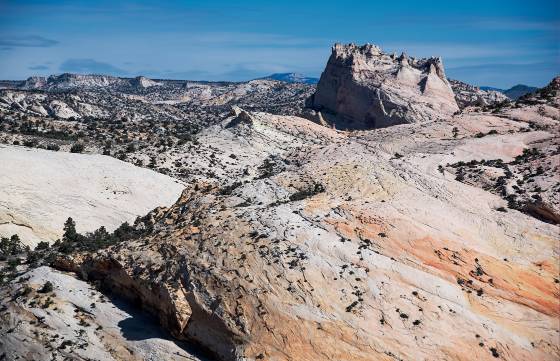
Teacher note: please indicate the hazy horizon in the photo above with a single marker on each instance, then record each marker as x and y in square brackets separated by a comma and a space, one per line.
[499, 44]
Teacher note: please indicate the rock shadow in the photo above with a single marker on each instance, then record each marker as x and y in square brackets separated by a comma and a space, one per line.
[142, 326]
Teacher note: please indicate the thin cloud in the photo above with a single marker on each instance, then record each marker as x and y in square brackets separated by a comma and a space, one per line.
[90, 66]
[29, 41]
[242, 39]
[517, 24]
[38, 67]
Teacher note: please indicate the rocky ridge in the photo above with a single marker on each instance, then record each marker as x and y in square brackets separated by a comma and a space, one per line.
[292, 78]
[469, 95]
[515, 92]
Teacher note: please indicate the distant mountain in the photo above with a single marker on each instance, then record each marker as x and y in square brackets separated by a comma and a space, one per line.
[519, 90]
[292, 78]
[514, 92]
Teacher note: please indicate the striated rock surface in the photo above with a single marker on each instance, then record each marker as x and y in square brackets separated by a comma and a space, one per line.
[364, 88]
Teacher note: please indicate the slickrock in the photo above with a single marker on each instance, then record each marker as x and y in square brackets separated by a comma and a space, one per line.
[365, 247]
[364, 88]
[40, 189]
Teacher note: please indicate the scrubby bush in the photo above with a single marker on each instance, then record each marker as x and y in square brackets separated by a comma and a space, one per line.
[100, 238]
[42, 246]
[455, 132]
[77, 148]
[316, 188]
[47, 287]
[11, 246]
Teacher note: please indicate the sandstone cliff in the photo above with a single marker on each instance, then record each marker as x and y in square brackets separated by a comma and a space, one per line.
[363, 88]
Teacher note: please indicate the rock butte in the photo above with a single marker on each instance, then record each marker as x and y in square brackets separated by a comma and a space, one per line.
[364, 88]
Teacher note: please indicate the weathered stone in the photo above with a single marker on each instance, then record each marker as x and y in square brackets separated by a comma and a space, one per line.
[366, 88]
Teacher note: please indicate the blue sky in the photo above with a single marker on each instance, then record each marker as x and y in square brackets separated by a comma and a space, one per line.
[495, 43]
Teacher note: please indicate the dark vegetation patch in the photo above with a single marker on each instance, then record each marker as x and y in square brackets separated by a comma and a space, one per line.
[518, 175]
[16, 258]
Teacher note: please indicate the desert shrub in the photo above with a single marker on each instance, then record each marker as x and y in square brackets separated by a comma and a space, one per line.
[47, 287]
[54, 147]
[77, 148]
[33, 259]
[316, 188]
[30, 143]
[11, 246]
[42, 246]
[455, 132]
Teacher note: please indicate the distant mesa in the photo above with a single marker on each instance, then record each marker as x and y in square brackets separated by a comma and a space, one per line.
[363, 88]
[69, 80]
[292, 78]
[85, 81]
[143, 82]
